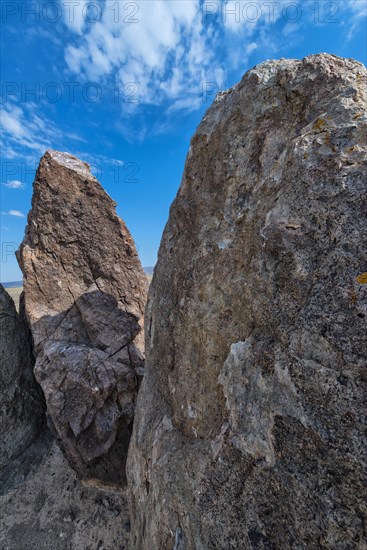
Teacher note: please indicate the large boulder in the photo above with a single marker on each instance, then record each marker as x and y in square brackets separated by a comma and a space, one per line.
[22, 408]
[85, 293]
[250, 424]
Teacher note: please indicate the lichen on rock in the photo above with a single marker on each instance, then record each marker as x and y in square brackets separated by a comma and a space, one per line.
[256, 324]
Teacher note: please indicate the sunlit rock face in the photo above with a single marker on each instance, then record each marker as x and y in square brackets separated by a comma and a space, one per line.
[250, 424]
[85, 293]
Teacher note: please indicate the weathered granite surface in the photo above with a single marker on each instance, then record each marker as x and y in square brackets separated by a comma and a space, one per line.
[23, 438]
[250, 428]
[85, 293]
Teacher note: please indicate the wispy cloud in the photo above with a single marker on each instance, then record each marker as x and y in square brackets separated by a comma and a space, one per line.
[14, 184]
[23, 128]
[359, 7]
[188, 104]
[359, 14]
[15, 213]
[28, 134]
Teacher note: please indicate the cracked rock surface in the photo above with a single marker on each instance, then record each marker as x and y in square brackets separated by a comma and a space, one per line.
[250, 427]
[85, 293]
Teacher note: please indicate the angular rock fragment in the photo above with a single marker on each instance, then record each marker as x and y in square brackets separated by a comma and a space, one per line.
[22, 408]
[250, 425]
[85, 293]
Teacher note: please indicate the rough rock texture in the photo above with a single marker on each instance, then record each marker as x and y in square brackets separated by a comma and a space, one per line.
[85, 294]
[250, 428]
[22, 409]
[53, 510]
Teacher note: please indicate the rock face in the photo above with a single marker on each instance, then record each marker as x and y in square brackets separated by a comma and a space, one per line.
[22, 410]
[250, 424]
[85, 294]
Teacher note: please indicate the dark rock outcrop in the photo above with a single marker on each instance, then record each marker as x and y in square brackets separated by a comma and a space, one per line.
[250, 424]
[85, 293]
[23, 440]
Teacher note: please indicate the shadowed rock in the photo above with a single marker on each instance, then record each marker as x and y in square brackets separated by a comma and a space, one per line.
[250, 425]
[85, 294]
[23, 439]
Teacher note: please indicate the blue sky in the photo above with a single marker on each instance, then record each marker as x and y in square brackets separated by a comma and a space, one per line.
[123, 85]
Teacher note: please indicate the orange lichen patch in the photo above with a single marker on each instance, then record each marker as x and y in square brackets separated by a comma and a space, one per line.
[319, 124]
[362, 279]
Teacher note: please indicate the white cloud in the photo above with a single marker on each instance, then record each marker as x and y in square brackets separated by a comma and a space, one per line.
[77, 14]
[251, 47]
[11, 122]
[26, 135]
[359, 13]
[74, 57]
[16, 213]
[23, 128]
[14, 184]
[187, 104]
[169, 48]
[359, 7]
[164, 53]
